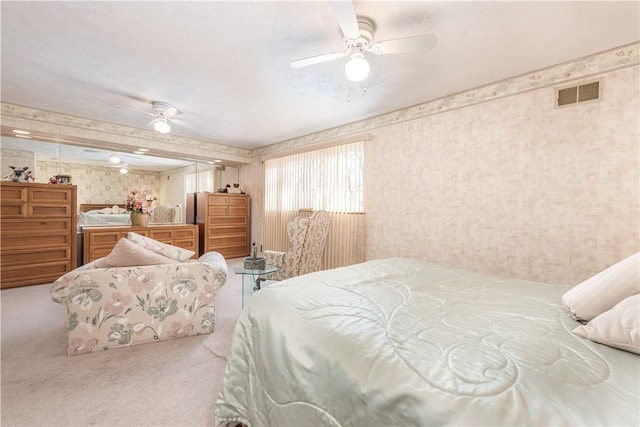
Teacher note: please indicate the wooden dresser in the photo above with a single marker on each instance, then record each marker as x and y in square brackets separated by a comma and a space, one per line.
[225, 223]
[97, 242]
[38, 232]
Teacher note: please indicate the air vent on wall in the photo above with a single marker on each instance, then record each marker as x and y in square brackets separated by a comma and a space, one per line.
[577, 94]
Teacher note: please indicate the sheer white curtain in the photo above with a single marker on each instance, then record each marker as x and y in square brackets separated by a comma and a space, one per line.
[330, 179]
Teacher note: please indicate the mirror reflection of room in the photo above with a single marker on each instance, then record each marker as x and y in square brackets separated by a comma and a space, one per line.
[106, 179]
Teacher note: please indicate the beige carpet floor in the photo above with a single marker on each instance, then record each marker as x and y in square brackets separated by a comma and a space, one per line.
[170, 383]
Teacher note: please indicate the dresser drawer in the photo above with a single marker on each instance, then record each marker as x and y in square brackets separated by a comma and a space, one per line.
[226, 239]
[98, 252]
[36, 226]
[34, 274]
[220, 230]
[104, 238]
[37, 210]
[218, 199]
[13, 210]
[161, 235]
[13, 195]
[34, 256]
[237, 210]
[215, 210]
[237, 201]
[225, 221]
[186, 234]
[57, 195]
[19, 241]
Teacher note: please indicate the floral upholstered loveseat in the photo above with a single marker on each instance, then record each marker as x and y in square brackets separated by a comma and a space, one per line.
[123, 306]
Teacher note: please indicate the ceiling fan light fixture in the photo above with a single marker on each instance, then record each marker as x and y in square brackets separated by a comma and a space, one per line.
[357, 69]
[162, 126]
[114, 158]
[124, 170]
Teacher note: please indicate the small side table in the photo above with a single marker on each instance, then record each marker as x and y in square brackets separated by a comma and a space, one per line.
[251, 279]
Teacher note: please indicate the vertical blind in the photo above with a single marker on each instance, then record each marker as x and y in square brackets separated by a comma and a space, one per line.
[330, 179]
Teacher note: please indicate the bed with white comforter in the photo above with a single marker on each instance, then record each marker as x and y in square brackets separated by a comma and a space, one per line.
[400, 342]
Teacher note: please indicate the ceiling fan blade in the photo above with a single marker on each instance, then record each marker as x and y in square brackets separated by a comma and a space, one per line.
[347, 18]
[179, 122]
[317, 59]
[171, 112]
[421, 43]
[135, 110]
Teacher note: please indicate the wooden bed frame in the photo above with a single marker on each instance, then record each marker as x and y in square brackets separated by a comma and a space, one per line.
[86, 207]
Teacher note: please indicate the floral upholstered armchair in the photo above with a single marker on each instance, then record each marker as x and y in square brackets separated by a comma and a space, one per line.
[122, 306]
[307, 239]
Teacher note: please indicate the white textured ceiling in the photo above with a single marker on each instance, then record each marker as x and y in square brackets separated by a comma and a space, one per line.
[226, 64]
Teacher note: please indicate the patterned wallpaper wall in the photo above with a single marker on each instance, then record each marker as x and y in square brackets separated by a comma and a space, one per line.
[99, 184]
[511, 187]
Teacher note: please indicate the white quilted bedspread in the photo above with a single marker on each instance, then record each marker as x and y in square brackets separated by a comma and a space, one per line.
[399, 342]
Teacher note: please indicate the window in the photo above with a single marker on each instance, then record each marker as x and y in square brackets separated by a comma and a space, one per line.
[330, 179]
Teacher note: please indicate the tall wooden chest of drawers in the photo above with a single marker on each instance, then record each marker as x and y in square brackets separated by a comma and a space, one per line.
[225, 223]
[38, 234]
[99, 241]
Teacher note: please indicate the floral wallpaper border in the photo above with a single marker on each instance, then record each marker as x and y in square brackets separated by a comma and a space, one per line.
[88, 132]
[592, 65]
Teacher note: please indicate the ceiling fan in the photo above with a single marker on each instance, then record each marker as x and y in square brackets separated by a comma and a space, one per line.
[358, 34]
[164, 114]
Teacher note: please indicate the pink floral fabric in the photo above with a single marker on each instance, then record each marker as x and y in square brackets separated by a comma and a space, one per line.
[307, 238]
[123, 306]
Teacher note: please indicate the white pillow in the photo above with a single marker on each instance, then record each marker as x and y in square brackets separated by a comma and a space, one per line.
[170, 251]
[599, 293]
[127, 254]
[618, 327]
[115, 209]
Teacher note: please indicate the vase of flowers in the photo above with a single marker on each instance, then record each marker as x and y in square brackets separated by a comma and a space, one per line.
[140, 203]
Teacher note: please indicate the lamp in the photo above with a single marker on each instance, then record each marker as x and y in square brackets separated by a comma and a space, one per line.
[114, 158]
[162, 126]
[357, 69]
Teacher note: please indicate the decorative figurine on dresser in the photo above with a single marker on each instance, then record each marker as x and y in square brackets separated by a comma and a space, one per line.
[37, 240]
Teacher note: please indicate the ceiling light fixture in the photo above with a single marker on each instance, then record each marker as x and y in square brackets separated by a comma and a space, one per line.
[357, 69]
[114, 158]
[20, 132]
[162, 126]
[124, 170]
